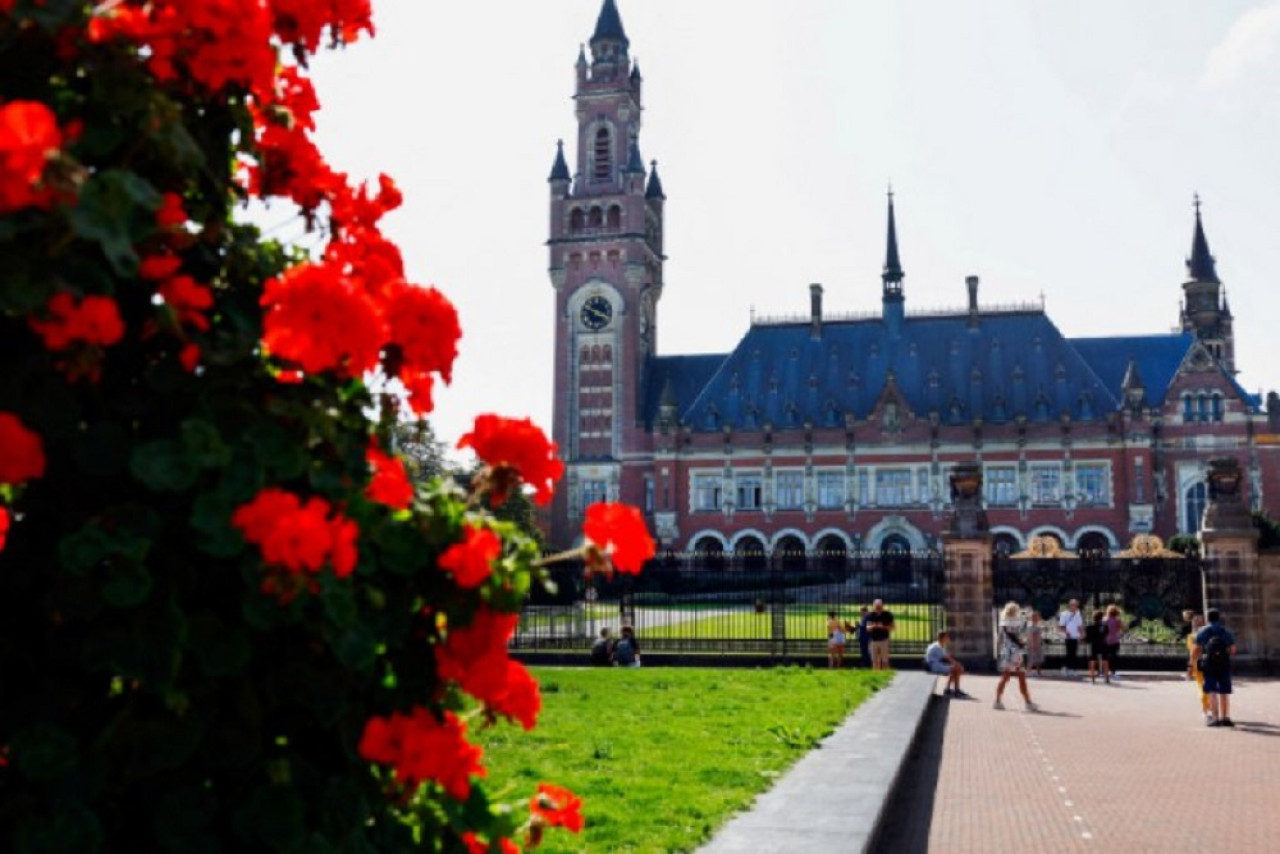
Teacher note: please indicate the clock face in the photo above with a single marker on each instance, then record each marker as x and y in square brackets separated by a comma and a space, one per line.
[596, 313]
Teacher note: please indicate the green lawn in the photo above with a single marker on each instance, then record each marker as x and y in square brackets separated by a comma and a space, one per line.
[912, 623]
[663, 757]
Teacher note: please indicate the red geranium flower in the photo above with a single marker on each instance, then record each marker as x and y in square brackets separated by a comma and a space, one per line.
[471, 561]
[419, 747]
[475, 656]
[558, 807]
[317, 318]
[171, 214]
[301, 538]
[21, 451]
[4, 526]
[189, 299]
[425, 325]
[389, 484]
[92, 320]
[477, 846]
[29, 136]
[619, 531]
[518, 445]
[419, 387]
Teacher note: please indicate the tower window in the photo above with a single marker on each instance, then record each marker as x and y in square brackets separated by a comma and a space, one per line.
[614, 219]
[603, 165]
[1188, 409]
[1217, 407]
[576, 220]
[1202, 403]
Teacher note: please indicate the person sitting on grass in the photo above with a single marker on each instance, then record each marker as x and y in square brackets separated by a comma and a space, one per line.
[602, 649]
[938, 659]
[626, 652]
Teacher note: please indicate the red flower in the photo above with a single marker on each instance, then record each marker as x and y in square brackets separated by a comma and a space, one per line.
[471, 560]
[619, 531]
[475, 656]
[318, 319]
[519, 445]
[476, 846]
[189, 357]
[21, 451]
[189, 299]
[419, 387]
[299, 537]
[521, 701]
[420, 748]
[159, 267]
[171, 214]
[389, 484]
[92, 320]
[425, 325]
[29, 136]
[4, 526]
[558, 807]
[303, 21]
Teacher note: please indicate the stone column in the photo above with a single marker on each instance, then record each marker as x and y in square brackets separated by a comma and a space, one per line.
[966, 549]
[1229, 543]
[1269, 607]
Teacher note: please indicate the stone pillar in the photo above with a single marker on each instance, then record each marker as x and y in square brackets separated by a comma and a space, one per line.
[966, 549]
[1269, 606]
[1229, 543]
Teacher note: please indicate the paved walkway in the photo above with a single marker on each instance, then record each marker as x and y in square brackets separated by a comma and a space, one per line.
[1129, 767]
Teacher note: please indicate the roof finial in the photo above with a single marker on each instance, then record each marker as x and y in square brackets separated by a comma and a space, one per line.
[892, 265]
[1200, 266]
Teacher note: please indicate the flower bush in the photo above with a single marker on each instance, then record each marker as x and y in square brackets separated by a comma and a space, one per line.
[230, 621]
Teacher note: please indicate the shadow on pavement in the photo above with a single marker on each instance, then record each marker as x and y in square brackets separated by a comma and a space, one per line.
[909, 813]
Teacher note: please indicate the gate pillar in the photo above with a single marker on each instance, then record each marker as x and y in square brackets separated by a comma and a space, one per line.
[1232, 579]
[966, 549]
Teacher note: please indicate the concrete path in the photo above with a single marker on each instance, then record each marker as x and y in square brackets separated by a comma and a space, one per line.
[1129, 767]
[834, 798]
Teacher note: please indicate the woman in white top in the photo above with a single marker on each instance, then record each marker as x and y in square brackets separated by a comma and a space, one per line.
[1012, 654]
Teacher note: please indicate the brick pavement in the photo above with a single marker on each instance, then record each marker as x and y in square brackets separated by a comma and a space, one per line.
[1129, 767]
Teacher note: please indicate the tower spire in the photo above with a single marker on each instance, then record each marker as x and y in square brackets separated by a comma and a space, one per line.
[559, 168]
[609, 26]
[892, 275]
[1200, 266]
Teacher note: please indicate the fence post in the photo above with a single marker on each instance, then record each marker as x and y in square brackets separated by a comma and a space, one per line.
[966, 551]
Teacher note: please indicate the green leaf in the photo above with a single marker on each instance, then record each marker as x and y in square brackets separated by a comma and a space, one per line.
[339, 605]
[70, 827]
[44, 752]
[204, 444]
[277, 451]
[221, 651]
[356, 648]
[84, 549]
[211, 516]
[115, 210]
[128, 585]
[164, 466]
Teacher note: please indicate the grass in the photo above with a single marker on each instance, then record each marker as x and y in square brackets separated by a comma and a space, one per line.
[912, 623]
[663, 757]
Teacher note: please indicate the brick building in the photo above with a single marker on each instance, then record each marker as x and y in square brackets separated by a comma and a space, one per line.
[836, 433]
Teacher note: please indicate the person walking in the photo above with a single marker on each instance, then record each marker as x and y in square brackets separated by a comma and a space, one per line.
[1214, 648]
[1196, 623]
[1071, 621]
[1115, 629]
[1011, 657]
[879, 623]
[836, 640]
[1095, 634]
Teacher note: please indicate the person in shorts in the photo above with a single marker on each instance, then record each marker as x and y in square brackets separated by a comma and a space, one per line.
[937, 659]
[836, 640]
[879, 623]
[1217, 677]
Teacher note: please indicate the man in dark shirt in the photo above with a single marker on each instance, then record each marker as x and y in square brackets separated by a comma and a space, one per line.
[879, 624]
[1216, 645]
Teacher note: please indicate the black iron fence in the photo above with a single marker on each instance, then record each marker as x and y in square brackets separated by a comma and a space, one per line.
[745, 605]
[1152, 594]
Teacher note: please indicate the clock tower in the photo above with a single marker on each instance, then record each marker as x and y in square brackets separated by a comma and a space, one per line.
[606, 267]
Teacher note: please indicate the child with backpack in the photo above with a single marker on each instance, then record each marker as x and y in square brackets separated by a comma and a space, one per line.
[1214, 648]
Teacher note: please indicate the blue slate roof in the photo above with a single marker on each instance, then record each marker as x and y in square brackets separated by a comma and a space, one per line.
[1009, 364]
[1157, 358]
[688, 375]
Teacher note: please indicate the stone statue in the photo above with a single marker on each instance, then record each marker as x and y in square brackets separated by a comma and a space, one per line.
[1227, 509]
[968, 518]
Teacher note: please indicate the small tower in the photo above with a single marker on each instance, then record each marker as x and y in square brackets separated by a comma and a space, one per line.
[1133, 389]
[891, 278]
[1205, 310]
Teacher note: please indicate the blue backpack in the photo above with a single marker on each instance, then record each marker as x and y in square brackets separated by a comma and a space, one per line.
[1216, 657]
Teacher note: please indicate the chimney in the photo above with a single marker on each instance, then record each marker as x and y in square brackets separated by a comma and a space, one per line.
[815, 311]
[971, 282]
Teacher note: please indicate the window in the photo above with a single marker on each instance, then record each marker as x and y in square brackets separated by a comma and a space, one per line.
[594, 492]
[864, 498]
[893, 487]
[1091, 484]
[750, 491]
[1194, 502]
[603, 161]
[789, 490]
[1002, 486]
[1188, 409]
[922, 485]
[1202, 406]
[1217, 407]
[648, 495]
[1046, 484]
[830, 489]
[707, 491]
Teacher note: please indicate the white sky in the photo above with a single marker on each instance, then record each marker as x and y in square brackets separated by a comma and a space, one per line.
[1045, 146]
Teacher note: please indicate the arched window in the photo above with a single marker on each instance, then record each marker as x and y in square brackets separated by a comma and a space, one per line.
[1188, 408]
[1217, 407]
[750, 554]
[1093, 546]
[895, 558]
[1194, 501]
[709, 553]
[596, 218]
[790, 553]
[832, 553]
[602, 156]
[1005, 544]
[576, 220]
[607, 355]
[614, 219]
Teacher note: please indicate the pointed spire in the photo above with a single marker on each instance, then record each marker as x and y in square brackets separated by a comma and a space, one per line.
[635, 71]
[892, 265]
[559, 169]
[609, 26]
[1132, 379]
[654, 190]
[582, 56]
[1200, 265]
[635, 163]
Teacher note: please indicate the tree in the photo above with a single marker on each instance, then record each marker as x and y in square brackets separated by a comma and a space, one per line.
[424, 454]
[230, 620]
